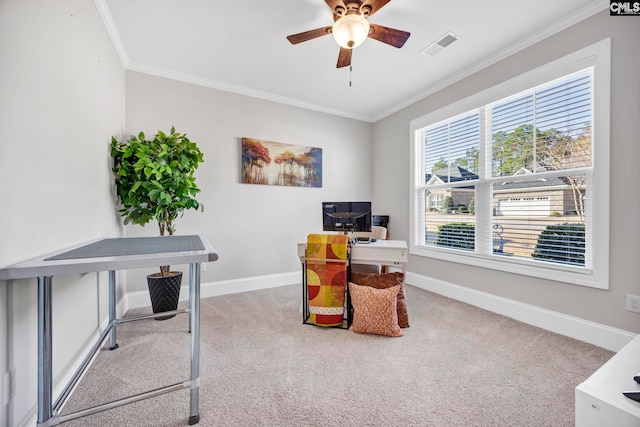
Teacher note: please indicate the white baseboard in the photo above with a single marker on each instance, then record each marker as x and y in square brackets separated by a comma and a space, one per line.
[594, 333]
[584, 330]
[212, 289]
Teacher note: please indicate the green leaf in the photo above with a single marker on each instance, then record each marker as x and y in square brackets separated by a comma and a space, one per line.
[135, 187]
[165, 197]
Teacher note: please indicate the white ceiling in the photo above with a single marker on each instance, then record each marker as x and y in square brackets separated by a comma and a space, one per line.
[241, 46]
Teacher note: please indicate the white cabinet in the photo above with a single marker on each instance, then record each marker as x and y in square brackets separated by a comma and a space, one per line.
[599, 399]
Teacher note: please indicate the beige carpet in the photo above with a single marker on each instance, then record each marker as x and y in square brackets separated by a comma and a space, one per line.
[457, 365]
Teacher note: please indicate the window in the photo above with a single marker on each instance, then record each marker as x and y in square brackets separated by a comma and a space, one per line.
[435, 201]
[515, 177]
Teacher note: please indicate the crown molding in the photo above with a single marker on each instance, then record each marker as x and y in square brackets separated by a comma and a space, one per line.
[110, 26]
[107, 19]
[213, 84]
[557, 26]
[561, 24]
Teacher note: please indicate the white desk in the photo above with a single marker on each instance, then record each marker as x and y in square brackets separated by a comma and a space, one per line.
[599, 399]
[110, 255]
[381, 252]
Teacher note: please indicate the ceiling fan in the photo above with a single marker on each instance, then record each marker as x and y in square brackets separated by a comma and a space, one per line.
[351, 28]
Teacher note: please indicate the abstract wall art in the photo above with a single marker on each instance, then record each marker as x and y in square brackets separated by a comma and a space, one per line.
[275, 163]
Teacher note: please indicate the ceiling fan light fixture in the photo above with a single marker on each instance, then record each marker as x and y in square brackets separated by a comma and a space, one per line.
[350, 31]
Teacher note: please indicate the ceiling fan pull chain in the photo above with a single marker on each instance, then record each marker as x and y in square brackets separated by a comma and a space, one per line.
[350, 70]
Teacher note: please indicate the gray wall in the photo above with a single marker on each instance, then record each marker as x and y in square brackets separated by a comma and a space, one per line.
[61, 97]
[254, 228]
[391, 148]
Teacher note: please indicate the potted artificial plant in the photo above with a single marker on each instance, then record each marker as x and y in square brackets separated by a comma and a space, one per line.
[155, 180]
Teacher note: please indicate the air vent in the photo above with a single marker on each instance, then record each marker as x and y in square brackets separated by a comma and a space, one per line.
[439, 44]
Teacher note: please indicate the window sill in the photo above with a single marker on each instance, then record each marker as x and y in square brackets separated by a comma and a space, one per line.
[543, 270]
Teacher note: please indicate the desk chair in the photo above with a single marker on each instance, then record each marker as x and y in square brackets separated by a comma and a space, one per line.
[381, 221]
[378, 233]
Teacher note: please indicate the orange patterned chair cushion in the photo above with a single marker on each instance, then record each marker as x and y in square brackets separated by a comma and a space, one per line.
[374, 310]
[326, 270]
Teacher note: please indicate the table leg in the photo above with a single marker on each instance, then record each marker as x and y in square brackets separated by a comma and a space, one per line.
[45, 357]
[112, 310]
[194, 321]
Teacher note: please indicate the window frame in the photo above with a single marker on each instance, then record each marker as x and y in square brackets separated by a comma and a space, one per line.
[439, 200]
[597, 56]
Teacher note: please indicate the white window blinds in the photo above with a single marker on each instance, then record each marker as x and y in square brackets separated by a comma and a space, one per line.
[451, 145]
[542, 140]
[532, 185]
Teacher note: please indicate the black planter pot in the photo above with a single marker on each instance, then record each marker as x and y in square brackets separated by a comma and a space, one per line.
[164, 292]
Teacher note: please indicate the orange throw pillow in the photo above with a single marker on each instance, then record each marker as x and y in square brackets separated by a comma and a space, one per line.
[374, 310]
[382, 281]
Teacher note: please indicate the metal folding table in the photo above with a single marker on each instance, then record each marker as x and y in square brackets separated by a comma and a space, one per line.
[111, 255]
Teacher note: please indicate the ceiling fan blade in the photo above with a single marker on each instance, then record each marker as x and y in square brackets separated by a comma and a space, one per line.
[344, 57]
[375, 5]
[309, 35]
[390, 36]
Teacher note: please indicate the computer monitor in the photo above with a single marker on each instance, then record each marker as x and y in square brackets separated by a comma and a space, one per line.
[346, 216]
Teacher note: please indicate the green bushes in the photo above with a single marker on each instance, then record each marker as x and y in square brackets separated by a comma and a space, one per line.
[459, 235]
[447, 204]
[561, 243]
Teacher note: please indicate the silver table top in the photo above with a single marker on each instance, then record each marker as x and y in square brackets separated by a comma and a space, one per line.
[115, 254]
